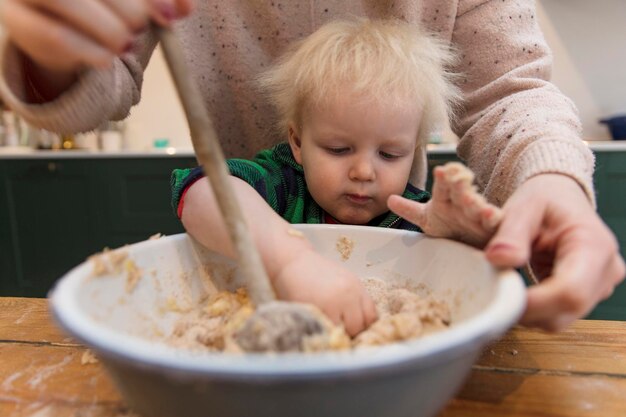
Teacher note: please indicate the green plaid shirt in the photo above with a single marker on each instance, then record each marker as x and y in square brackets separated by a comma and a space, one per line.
[279, 179]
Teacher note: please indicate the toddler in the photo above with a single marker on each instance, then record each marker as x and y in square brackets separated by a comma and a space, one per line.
[356, 102]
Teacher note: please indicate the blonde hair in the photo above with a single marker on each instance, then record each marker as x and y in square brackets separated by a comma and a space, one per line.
[377, 59]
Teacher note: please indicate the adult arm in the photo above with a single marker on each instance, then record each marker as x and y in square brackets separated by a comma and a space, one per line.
[61, 71]
[521, 136]
[516, 123]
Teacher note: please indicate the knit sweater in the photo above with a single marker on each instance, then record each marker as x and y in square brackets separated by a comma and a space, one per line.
[514, 124]
[279, 179]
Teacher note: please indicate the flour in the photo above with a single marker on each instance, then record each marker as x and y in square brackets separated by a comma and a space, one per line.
[23, 316]
[88, 358]
[7, 384]
[46, 372]
[345, 246]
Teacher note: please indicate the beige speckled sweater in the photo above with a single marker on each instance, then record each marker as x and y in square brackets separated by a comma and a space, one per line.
[515, 124]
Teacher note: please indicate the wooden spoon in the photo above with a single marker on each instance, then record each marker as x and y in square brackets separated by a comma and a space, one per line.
[276, 325]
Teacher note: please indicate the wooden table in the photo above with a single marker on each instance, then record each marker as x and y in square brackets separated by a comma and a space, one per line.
[579, 372]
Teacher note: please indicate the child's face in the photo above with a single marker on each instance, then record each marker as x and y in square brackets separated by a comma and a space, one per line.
[356, 154]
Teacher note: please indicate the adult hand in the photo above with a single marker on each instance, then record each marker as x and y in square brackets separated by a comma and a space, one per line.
[550, 222]
[311, 278]
[66, 35]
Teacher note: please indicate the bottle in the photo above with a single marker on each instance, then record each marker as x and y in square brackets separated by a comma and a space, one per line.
[10, 129]
[161, 143]
[111, 138]
[67, 142]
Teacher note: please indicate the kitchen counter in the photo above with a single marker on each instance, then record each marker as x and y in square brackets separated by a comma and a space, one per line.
[578, 372]
[594, 145]
[27, 153]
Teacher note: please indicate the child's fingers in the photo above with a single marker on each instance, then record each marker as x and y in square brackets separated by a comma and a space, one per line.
[369, 310]
[472, 205]
[353, 318]
[51, 43]
[334, 313]
[490, 217]
[459, 189]
[411, 210]
[486, 215]
[441, 187]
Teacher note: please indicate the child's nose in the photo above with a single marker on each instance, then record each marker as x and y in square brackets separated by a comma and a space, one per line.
[362, 170]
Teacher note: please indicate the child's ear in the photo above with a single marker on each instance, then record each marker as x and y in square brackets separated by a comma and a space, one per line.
[295, 143]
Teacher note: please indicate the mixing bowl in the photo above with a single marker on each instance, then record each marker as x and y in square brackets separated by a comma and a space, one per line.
[125, 317]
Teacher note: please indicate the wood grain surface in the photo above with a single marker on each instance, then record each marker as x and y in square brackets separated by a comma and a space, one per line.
[578, 372]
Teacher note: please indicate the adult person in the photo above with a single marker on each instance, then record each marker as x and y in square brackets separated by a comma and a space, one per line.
[69, 66]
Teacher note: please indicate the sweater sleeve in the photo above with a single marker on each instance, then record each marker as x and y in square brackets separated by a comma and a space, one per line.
[97, 95]
[274, 183]
[516, 123]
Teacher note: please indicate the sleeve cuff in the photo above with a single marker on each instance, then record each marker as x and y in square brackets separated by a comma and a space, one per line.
[83, 107]
[573, 159]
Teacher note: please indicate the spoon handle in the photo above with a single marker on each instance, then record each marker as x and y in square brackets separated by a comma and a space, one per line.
[210, 155]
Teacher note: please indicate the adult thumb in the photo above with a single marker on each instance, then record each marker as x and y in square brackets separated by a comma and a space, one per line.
[512, 243]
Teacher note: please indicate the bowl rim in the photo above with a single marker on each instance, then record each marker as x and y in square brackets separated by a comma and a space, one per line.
[499, 315]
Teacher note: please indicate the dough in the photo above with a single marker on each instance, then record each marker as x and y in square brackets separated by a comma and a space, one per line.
[403, 315]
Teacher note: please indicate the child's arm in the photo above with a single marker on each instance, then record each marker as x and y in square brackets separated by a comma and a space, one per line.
[456, 210]
[297, 272]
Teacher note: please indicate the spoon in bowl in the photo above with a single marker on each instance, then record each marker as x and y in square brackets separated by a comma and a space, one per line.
[276, 326]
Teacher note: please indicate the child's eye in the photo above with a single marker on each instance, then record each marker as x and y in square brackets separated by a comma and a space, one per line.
[388, 156]
[337, 151]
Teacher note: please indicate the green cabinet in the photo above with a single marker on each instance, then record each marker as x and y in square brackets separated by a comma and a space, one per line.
[54, 213]
[46, 203]
[610, 182]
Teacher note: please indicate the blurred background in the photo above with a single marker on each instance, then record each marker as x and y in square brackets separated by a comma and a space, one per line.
[587, 39]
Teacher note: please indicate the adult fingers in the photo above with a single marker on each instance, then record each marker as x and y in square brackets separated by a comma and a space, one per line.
[134, 13]
[164, 12]
[184, 7]
[38, 34]
[110, 31]
[520, 224]
[587, 268]
[411, 210]
[566, 295]
[618, 267]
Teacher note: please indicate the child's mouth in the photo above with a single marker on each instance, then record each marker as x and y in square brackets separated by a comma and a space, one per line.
[358, 199]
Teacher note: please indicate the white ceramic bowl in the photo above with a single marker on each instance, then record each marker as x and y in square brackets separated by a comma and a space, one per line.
[414, 378]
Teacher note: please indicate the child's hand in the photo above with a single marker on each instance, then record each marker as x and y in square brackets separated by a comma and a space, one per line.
[65, 36]
[456, 210]
[311, 278]
[298, 273]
